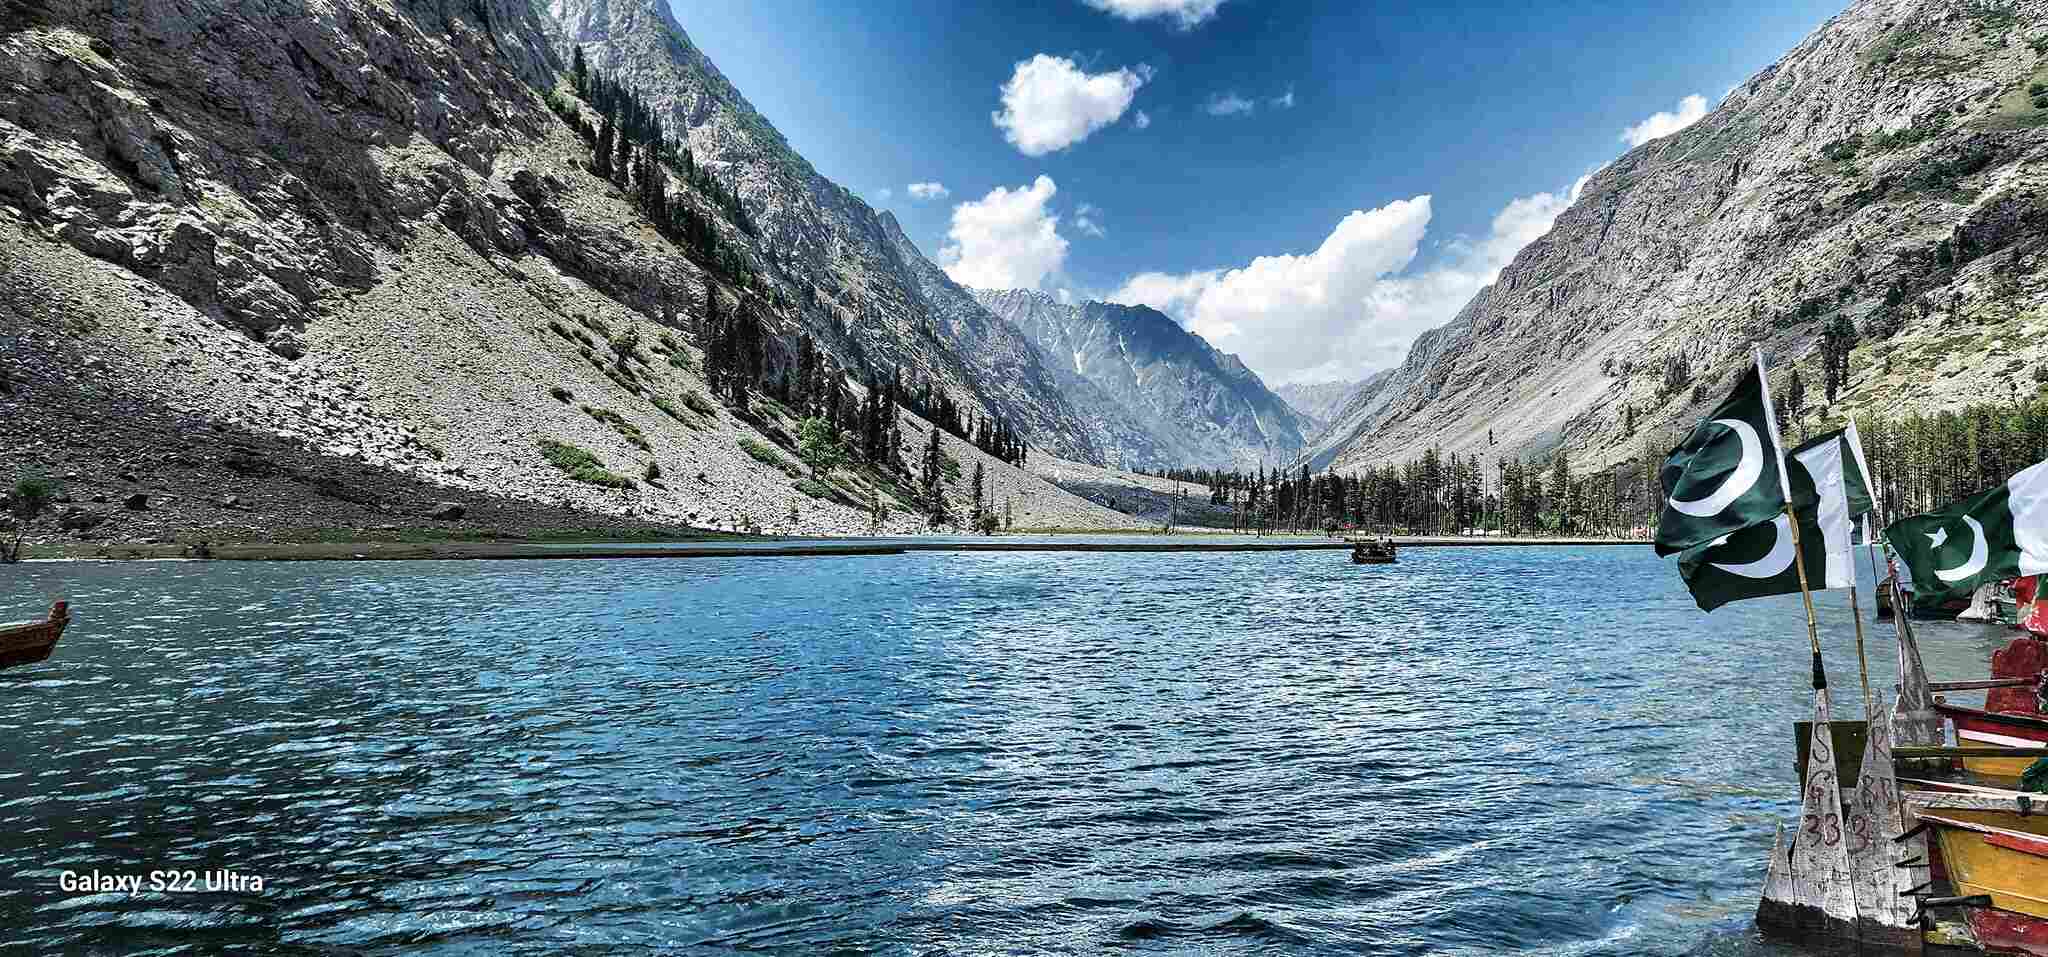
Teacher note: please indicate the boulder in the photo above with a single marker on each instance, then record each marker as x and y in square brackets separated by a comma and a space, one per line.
[79, 520]
[447, 512]
[138, 502]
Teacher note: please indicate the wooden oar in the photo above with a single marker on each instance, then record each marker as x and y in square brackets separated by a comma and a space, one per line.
[1906, 753]
[1981, 685]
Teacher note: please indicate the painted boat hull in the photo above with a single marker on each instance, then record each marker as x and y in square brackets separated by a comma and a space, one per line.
[1991, 842]
[1990, 729]
[2000, 854]
[28, 642]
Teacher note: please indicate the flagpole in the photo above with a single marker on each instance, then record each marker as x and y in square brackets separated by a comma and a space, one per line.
[1820, 676]
[1855, 602]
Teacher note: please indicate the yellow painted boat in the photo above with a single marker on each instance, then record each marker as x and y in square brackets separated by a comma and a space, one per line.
[2010, 865]
[1988, 729]
[1992, 842]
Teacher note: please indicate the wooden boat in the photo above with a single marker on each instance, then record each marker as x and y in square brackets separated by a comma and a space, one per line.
[1372, 553]
[27, 642]
[1979, 729]
[1933, 609]
[1993, 845]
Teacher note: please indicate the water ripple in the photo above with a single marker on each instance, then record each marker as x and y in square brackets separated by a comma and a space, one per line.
[1475, 752]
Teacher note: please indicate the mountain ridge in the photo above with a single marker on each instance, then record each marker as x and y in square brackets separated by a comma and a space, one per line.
[1201, 406]
[1827, 185]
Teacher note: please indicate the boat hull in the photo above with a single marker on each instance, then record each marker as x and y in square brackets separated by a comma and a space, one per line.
[1976, 728]
[1990, 842]
[2005, 857]
[28, 642]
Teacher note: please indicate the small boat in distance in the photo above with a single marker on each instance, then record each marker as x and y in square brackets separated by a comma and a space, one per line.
[1373, 551]
[27, 642]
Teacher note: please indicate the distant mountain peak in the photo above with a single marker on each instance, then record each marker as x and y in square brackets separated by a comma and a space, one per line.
[1199, 406]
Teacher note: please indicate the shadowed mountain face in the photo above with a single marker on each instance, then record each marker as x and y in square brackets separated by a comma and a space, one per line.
[1888, 172]
[1198, 406]
[381, 247]
[1317, 402]
[865, 289]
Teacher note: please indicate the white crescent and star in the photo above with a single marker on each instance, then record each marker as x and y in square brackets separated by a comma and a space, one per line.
[1738, 482]
[1979, 553]
[1774, 562]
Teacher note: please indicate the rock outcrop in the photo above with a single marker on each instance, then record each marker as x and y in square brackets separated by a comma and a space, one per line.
[1156, 395]
[1893, 169]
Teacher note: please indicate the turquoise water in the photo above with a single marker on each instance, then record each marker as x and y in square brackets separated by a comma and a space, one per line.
[1477, 751]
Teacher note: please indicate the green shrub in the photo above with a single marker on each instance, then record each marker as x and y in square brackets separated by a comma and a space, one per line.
[2036, 89]
[652, 472]
[813, 488]
[769, 403]
[700, 405]
[579, 464]
[627, 344]
[767, 456]
[669, 409]
[561, 394]
[627, 430]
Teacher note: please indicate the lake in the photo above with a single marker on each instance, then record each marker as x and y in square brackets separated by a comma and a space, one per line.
[1496, 750]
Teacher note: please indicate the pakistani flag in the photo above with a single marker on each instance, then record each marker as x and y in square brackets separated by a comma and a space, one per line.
[1828, 492]
[1991, 536]
[1724, 478]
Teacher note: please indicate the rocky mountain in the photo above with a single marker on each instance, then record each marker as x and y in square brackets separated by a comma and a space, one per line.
[866, 290]
[1131, 368]
[1891, 171]
[347, 258]
[1317, 402]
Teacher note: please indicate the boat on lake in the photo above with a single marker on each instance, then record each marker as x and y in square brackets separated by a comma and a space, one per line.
[27, 642]
[1977, 728]
[1992, 848]
[1378, 551]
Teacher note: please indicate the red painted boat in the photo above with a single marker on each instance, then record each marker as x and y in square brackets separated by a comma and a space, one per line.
[1990, 729]
[27, 642]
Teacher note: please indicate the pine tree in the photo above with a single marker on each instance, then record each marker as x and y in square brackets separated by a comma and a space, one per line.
[1838, 340]
[935, 480]
[1560, 489]
[601, 157]
[980, 515]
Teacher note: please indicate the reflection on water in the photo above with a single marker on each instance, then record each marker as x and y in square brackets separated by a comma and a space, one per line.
[1477, 751]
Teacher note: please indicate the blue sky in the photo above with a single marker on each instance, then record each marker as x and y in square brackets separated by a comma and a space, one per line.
[1314, 234]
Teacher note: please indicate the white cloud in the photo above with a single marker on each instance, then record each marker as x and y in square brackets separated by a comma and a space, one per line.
[1187, 13]
[1050, 103]
[1284, 101]
[1141, 120]
[929, 190]
[1088, 219]
[1662, 123]
[1346, 308]
[1228, 104]
[1008, 239]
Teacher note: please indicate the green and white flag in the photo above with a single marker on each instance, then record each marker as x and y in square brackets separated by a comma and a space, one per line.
[1724, 477]
[1828, 492]
[1991, 536]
